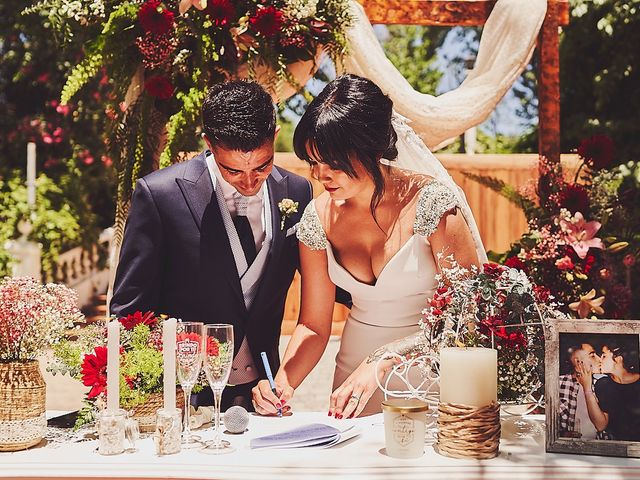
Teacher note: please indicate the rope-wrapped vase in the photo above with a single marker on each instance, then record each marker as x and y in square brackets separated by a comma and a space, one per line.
[23, 422]
[145, 413]
[469, 432]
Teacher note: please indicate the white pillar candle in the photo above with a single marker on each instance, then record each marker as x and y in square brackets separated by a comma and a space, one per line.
[31, 174]
[469, 376]
[113, 365]
[169, 357]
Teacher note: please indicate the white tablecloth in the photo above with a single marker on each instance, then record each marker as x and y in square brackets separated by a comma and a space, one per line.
[362, 457]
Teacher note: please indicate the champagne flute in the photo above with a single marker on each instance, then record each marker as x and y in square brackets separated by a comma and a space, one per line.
[189, 343]
[218, 357]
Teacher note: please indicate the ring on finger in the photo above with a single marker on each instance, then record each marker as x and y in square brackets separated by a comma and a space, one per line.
[355, 397]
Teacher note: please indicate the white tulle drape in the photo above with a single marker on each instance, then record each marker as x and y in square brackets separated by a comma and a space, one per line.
[507, 42]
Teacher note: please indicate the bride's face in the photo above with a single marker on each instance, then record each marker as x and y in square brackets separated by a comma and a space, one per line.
[338, 184]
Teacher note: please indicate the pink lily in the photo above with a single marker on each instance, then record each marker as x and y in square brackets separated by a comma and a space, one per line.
[187, 4]
[581, 235]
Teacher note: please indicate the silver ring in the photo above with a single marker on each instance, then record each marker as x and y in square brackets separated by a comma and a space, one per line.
[355, 397]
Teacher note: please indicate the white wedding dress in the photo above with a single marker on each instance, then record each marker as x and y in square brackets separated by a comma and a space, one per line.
[390, 309]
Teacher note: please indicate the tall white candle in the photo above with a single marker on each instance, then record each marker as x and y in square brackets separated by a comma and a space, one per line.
[469, 376]
[169, 357]
[113, 365]
[31, 174]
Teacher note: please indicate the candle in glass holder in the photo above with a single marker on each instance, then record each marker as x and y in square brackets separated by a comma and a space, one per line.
[169, 358]
[469, 376]
[113, 365]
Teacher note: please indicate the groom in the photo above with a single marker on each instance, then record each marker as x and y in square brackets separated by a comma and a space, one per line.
[207, 241]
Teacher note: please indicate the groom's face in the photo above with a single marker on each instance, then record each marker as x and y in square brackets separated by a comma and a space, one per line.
[245, 171]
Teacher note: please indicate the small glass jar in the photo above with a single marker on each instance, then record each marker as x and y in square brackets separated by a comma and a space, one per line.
[111, 426]
[404, 426]
[168, 433]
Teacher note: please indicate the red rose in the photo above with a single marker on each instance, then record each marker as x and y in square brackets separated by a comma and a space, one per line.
[542, 293]
[598, 151]
[220, 12]
[515, 262]
[493, 270]
[565, 263]
[138, 318]
[267, 21]
[94, 371]
[159, 87]
[155, 18]
[588, 263]
[574, 197]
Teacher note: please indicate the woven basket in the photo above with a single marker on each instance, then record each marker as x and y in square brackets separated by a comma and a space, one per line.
[23, 422]
[145, 413]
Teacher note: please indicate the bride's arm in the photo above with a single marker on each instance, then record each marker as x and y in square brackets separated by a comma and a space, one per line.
[310, 336]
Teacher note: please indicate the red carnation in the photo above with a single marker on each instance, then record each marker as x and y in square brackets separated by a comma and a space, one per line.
[155, 17]
[94, 371]
[598, 151]
[220, 12]
[515, 262]
[574, 198]
[159, 87]
[267, 21]
[588, 264]
[138, 318]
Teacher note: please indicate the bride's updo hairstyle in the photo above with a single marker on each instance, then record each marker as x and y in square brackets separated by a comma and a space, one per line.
[350, 120]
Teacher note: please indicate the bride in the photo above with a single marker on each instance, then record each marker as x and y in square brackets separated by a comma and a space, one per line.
[374, 232]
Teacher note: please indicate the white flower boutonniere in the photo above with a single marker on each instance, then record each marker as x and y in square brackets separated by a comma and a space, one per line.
[287, 208]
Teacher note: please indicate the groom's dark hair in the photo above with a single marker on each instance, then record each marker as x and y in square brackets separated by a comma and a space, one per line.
[238, 115]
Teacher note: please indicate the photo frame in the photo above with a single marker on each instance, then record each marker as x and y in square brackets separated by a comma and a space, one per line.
[610, 350]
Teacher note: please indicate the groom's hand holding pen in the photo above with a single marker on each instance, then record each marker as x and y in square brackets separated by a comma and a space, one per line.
[268, 397]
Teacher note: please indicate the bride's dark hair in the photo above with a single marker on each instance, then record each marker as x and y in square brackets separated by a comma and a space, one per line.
[349, 120]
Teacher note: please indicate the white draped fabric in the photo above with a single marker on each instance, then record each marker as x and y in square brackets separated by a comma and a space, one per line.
[507, 43]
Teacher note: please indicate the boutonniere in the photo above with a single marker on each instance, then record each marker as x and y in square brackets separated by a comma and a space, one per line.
[287, 208]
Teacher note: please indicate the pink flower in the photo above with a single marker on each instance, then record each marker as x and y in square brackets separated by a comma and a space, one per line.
[629, 260]
[564, 263]
[581, 235]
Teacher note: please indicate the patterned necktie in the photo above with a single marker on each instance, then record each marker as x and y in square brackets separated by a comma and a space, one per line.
[243, 227]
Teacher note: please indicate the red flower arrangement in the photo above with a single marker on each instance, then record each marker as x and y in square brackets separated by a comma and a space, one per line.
[159, 86]
[598, 151]
[138, 318]
[154, 17]
[220, 12]
[267, 21]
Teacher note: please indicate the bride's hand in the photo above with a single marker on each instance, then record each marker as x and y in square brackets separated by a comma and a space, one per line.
[350, 398]
[268, 403]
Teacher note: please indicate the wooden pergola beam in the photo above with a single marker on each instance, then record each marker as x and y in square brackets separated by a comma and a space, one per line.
[469, 13]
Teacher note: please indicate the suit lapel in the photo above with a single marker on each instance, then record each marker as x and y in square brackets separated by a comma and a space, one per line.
[278, 189]
[216, 253]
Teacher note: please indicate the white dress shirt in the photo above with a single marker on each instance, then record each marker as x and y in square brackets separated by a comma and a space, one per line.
[255, 205]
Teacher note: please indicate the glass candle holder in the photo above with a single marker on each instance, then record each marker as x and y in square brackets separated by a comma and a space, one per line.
[168, 435]
[404, 427]
[111, 425]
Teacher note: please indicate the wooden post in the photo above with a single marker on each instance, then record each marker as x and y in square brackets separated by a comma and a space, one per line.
[476, 12]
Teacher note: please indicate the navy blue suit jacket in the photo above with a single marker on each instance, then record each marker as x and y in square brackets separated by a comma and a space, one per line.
[176, 258]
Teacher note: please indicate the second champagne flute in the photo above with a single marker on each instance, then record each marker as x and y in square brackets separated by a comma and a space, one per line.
[189, 342]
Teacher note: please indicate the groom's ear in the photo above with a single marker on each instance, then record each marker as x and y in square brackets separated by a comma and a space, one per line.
[206, 141]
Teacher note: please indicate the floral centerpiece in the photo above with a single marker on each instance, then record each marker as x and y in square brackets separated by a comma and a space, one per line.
[583, 241]
[84, 357]
[33, 317]
[495, 307]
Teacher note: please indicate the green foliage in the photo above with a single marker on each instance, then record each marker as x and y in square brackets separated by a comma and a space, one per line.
[61, 220]
[182, 122]
[80, 76]
[599, 75]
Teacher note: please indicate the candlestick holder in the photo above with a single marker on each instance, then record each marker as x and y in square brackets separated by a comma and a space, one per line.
[111, 425]
[168, 435]
[468, 432]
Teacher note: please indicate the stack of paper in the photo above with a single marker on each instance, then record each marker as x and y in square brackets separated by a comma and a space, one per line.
[314, 435]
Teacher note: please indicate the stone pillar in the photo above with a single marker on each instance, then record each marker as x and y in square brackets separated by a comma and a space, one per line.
[26, 254]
